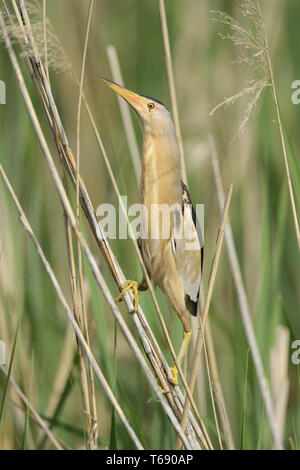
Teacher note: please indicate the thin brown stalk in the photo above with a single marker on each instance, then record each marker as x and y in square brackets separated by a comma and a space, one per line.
[228, 436]
[74, 295]
[217, 386]
[257, 55]
[211, 284]
[88, 25]
[91, 412]
[282, 139]
[244, 305]
[45, 38]
[210, 382]
[171, 82]
[72, 271]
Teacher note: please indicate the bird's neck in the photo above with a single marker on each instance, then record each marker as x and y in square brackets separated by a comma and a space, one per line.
[161, 170]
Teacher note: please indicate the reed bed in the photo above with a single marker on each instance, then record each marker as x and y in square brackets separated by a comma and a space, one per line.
[107, 385]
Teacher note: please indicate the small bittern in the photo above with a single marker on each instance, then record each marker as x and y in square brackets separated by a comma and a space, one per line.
[173, 262]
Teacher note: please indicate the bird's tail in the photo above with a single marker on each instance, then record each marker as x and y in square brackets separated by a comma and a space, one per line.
[191, 306]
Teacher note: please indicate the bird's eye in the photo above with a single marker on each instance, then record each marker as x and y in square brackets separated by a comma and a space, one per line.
[150, 105]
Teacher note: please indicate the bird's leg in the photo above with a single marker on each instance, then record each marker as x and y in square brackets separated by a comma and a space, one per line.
[134, 286]
[187, 335]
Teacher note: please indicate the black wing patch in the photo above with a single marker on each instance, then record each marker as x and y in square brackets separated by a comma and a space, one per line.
[186, 201]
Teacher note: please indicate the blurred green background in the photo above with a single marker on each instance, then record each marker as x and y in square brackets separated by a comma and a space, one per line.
[260, 214]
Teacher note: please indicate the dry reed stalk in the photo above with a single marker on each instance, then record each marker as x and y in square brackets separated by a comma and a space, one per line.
[172, 89]
[45, 38]
[244, 305]
[171, 82]
[211, 385]
[212, 277]
[212, 366]
[47, 99]
[282, 139]
[228, 437]
[92, 411]
[74, 295]
[89, 416]
[75, 303]
[72, 272]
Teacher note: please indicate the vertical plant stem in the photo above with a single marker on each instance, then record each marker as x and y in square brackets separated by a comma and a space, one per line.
[282, 139]
[218, 388]
[171, 82]
[211, 283]
[244, 305]
[45, 38]
[92, 412]
[210, 382]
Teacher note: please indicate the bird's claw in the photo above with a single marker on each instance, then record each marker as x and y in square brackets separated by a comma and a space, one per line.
[133, 285]
[174, 378]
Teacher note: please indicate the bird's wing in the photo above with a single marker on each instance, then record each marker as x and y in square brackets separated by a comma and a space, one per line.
[188, 251]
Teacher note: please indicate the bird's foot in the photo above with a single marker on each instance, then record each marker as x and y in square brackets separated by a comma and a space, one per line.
[174, 378]
[133, 285]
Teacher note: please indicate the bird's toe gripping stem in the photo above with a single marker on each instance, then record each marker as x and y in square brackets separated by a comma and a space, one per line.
[174, 378]
[134, 286]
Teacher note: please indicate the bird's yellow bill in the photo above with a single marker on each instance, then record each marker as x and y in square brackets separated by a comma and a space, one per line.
[132, 98]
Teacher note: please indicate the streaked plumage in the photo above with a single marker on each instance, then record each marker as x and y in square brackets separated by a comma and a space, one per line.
[170, 264]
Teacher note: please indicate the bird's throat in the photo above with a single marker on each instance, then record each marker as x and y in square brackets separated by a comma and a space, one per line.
[161, 171]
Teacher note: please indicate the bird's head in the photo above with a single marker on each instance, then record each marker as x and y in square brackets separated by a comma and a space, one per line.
[153, 115]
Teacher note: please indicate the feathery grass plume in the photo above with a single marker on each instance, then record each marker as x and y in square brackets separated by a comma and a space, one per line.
[253, 39]
[56, 57]
[250, 39]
